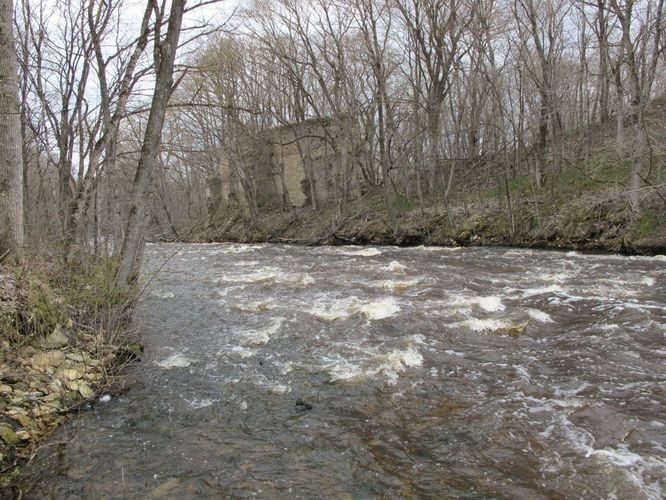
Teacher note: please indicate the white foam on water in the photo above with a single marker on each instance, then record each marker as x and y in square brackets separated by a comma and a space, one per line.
[278, 388]
[163, 295]
[374, 362]
[332, 309]
[262, 381]
[233, 249]
[380, 309]
[580, 439]
[642, 307]
[201, 403]
[522, 372]
[487, 324]
[388, 365]
[451, 352]
[364, 252]
[397, 286]
[342, 369]
[516, 253]
[423, 248]
[396, 267]
[543, 290]
[647, 280]
[178, 360]
[608, 289]
[263, 335]
[540, 316]
[549, 405]
[571, 392]
[306, 279]
[269, 275]
[262, 275]
[242, 264]
[491, 303]
[240, 351]
[645, 472]
[398, 360]
[258, 306]
[553, 277]
[345, 308]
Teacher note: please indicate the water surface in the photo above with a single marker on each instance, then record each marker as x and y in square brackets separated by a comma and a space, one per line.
[356, 372]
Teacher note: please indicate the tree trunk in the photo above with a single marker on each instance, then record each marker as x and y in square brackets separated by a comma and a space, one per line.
[11, 160]
[603, 61]
[637, 166]
[433, 148]
[134, 241]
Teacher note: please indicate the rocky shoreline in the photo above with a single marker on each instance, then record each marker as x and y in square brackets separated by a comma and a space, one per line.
[52, 363]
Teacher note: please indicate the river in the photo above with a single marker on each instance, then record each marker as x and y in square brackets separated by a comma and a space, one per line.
[362, 372]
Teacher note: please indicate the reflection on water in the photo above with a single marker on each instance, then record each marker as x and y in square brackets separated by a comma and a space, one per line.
[362, 372]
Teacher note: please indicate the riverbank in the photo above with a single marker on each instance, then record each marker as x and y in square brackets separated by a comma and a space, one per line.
[599, 221]
[64, 335]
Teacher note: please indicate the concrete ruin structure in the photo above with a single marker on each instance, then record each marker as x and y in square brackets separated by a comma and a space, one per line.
[284, 167]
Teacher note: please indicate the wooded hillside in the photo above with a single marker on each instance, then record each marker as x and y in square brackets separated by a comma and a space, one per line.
[445, 109]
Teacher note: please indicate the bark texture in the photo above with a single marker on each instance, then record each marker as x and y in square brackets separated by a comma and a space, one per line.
[11, 160]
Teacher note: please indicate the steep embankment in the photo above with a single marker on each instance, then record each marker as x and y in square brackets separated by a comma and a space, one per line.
[583, 205]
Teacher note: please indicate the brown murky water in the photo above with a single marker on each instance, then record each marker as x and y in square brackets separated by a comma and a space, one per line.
[348, 372]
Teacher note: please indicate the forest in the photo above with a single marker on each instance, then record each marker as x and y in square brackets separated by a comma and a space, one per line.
[428, 106]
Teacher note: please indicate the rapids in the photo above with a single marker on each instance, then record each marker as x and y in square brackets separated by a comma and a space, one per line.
[347, 372]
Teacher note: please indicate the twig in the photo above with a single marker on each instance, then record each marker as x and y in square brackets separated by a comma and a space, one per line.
[2, 257]
[159, 269]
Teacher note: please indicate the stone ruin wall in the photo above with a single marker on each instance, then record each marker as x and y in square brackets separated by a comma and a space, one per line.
[282, 148]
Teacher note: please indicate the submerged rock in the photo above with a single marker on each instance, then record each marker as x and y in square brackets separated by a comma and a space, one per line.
[175, 361]
[514, 330]
[302, 405]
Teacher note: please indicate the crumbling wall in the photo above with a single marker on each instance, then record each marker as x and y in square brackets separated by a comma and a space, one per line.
[279, 161]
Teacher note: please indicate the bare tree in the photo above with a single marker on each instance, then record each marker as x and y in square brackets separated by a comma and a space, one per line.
[376, 48]
[164, 57]
[11, 160]
[641, 57]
